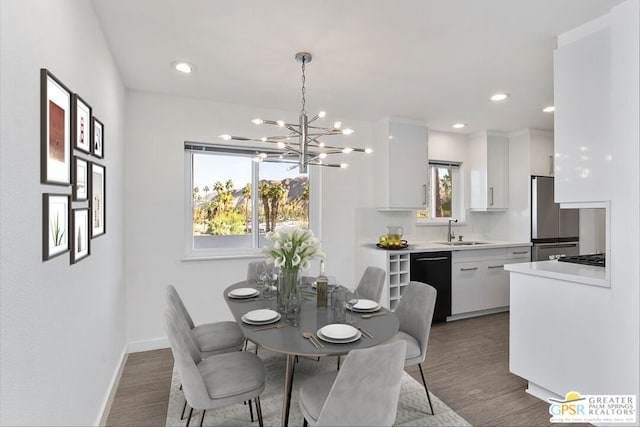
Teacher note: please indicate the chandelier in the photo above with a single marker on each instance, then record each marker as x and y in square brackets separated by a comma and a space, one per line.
[301, 145]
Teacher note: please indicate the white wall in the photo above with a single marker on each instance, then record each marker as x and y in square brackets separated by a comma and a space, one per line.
[156, 128]
[63, 326]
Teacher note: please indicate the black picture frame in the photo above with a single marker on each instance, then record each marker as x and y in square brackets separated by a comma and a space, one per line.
[80, 174]
[55, 224]
[80, 242]
[81, 123]
[97, 138]
[55, 130]
[98, 183]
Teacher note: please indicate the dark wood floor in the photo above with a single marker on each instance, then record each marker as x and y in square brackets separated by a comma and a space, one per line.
[467, 367]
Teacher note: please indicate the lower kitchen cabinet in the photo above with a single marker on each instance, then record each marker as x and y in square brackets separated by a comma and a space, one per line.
[478, 279]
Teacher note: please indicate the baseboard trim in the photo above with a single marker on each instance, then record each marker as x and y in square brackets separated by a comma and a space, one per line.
[115, 381]
[477, 313]
[146, 345]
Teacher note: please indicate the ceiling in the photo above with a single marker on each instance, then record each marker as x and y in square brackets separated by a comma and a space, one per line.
[437, 61]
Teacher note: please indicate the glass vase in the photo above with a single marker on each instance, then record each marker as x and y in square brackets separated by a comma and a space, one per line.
[287, 286]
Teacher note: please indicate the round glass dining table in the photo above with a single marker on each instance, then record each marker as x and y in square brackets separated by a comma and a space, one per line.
[284, 337]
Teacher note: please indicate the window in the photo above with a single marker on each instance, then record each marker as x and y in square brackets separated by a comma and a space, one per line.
[445, 192]
[234, 200]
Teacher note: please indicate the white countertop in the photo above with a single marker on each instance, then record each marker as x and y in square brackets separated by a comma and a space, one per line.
[586, 274]
[435, 246]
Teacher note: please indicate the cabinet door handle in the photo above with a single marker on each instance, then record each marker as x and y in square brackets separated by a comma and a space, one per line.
[520, 252]
[495, 266]
[550, 165]
[469, 269]
[440, 258]
[491, 194]
[424, 201]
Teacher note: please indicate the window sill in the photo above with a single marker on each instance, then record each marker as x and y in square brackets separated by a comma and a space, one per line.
[437, 222]
[226, 255]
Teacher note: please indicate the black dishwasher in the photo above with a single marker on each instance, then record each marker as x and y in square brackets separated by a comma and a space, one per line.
[434, 268]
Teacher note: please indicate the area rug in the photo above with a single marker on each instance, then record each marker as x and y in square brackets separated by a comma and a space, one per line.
[413, 409]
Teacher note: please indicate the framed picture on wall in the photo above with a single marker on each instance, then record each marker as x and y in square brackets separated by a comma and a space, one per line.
[98, 204]
[81, 124]
[80, 179]
[97, 141]
[55, 130]
[55, 225]
[80, 246]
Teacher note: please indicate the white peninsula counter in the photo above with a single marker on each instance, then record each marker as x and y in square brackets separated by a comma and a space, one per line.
[556, 309]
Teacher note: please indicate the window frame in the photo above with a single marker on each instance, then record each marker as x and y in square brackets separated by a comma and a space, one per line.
[190, 252]
[457, 193]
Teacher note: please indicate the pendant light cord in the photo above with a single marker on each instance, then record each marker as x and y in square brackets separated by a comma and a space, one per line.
[303, 89]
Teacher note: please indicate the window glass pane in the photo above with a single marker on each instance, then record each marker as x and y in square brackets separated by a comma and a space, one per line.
[221, 200]
[441, 193]
[284, 196]
[441, 178]
[225, 192]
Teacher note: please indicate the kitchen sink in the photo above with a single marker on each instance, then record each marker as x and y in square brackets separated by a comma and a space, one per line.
[458, 243]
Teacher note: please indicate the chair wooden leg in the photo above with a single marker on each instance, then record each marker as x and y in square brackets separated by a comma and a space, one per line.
[305, 423]
[338, 363]
[250, 410]
[259, 411]
[201, 418]
[425, 388]
[189, 419]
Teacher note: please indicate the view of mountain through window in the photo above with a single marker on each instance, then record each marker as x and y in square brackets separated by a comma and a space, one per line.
[227, 188]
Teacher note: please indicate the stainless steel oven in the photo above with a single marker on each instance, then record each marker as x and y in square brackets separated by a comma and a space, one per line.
[547, 251]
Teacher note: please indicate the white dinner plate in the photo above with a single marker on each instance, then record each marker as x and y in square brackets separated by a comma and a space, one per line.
[365, 306]
[261, 317]
[337, 341]
[338, 331]
[243, 293]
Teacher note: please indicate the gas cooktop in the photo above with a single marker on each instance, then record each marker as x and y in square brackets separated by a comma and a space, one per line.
[597, 260]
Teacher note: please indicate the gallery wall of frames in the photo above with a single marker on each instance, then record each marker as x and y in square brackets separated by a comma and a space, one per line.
[72, 157]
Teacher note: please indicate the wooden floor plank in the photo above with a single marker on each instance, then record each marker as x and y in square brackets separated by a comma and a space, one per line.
[467, 367]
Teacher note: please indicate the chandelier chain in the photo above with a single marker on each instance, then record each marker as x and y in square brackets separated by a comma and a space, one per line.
[303, 111]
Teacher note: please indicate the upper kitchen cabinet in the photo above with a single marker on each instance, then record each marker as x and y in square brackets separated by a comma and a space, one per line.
[582, 97]
[488, 165]
[542, 158]
[401, 165]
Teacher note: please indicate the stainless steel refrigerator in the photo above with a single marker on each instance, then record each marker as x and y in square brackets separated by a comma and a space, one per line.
[554, 231]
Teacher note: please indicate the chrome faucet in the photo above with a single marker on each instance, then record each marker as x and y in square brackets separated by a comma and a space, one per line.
[450, 235]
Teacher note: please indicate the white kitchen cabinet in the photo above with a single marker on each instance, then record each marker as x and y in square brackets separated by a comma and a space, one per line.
[466, 287]
[542, 158]
[582, 118]
[488, 171]
[401, 161]
[479, 282]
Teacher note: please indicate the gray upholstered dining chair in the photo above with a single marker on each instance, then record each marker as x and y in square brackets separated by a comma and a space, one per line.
[215, 381]
[415, 313]
[252, 273]
[364, 392]
[371, 283]
[211, 338]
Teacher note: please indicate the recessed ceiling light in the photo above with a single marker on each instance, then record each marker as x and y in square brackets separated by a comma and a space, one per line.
[458, 125]
[499, 97]
[183, 67]
[549, 109]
